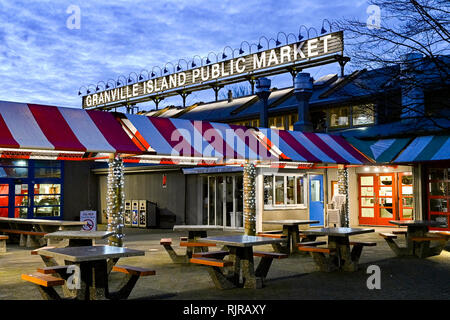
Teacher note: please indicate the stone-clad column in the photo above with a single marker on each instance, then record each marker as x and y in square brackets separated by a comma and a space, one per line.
[115, 201]
[249, 199]
[343, 189]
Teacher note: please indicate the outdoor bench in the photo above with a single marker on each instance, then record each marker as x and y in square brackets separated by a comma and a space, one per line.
[421, 239]
[167, 243]
[210, 254]
[46, 284]
[3, 243]
[216, 272]
[132, 276]
[388, 236]
[272, 235]
[266, 261]
[29, 242]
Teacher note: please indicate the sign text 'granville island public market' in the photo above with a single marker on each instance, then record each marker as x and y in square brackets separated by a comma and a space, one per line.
[311, 48]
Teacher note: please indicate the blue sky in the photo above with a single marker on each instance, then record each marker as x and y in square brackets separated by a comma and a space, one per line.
[43, 61]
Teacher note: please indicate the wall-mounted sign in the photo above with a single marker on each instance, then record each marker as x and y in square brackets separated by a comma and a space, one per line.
[243, 65]
[90, 217]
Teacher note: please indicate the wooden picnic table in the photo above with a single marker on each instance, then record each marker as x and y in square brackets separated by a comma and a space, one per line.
[418, 239]
[77, 238]
[291, 232]
[32, 231]
[241, 254]
[340, 256]
[93, 265]
[195, 232]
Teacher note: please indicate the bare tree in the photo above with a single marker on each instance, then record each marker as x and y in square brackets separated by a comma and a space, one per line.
[238, 90]
[407, 54]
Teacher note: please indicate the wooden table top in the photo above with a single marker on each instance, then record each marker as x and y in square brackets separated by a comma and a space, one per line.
[290, 222]
[240, 240]
[337, 232]
[43, 221]
[196, 228]
[417, 223]
[90, 253]
[79, 235]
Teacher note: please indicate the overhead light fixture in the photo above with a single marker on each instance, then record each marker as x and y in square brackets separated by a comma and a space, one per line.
[165, 70]
[224, 56]
[129, 80]
[118, 83]
[277, 43]
[208, 61]
[107, 86]
[79, 93]
[193, 64]
[366, 169]
[259, 46]
[89, 91]
[178, 68]
[300, 37]
[153, 74]
[97, 88]
[141, 77]
[241, 51]
[323, 30]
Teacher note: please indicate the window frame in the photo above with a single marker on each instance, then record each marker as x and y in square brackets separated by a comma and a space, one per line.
[285, 205]
[351, 113]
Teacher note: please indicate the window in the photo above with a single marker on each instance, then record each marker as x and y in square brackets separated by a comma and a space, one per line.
[439, 194]
[293, 118]
[339, 117]
[10, 168]
[363, 115]
[345, 117]
[47, 200]
[284, 191]
[276, 122]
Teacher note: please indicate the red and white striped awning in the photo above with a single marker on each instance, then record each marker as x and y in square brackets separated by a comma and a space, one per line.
[45, 132]
[48, 132]
[205, 143]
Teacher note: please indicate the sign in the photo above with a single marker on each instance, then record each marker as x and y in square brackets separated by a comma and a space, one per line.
[235, 67]
[91, 220]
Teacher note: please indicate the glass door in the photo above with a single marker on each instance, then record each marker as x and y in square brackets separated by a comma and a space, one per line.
[316, 206]
[439, 196]
[406, 198]
[21, 200]
[4, 199]
[377, 198]
[239, 201]
[386, 197]
[367, 199]
[224, 198]
[229, 201]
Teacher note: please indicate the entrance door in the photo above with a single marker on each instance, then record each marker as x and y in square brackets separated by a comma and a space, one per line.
[21, 200]
[225, 201]
[316, 206]
[377, 198]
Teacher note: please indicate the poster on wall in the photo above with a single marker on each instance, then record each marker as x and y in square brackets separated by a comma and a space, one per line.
[90, 217]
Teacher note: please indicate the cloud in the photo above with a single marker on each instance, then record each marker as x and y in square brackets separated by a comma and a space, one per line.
[43, 61]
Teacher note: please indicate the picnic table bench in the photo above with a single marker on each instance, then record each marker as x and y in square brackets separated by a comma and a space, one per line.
[337, 255]
[31, 232]
[190, 242]
[226, 274]
[92, 262]
[290, 231]
[3, 239]
[418, 239]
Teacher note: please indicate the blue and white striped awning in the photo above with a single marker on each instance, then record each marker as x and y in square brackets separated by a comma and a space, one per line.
[427, 148]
